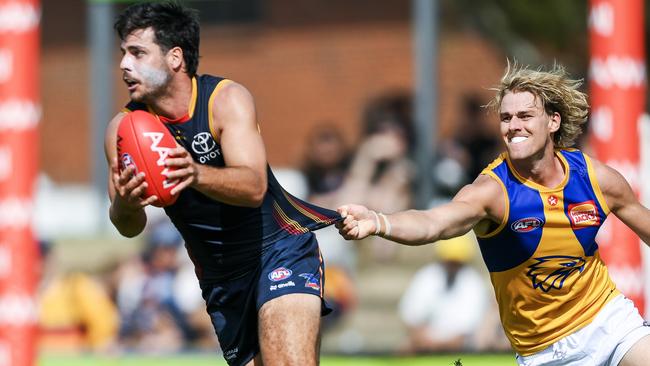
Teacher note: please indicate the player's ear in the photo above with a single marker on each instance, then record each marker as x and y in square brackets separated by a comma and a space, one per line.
[554, 122]
[175, 58]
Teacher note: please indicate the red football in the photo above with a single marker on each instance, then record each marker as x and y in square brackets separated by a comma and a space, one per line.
[143, 141]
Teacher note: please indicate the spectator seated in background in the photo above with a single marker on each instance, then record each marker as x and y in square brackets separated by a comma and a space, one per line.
[152, 317]
[446, 301]
[472, 146]
[75, 312]
[382, 173]
[326, 164]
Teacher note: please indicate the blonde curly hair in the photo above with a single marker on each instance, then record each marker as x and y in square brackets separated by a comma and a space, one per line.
[558, 93]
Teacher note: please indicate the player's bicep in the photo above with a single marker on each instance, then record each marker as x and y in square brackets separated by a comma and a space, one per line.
[478, 203]
[236, 121]
[453, 219]
[619, 196]
[617, 192]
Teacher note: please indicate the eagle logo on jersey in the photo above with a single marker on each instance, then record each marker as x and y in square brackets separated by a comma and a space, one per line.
[551, 271]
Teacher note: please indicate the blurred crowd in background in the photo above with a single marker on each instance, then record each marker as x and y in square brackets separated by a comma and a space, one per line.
[305, 62]
[150, 302]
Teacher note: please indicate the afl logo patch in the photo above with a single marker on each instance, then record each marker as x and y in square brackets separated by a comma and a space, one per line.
[280, 274]
[126, 161]
[583, 214]
[526, 224]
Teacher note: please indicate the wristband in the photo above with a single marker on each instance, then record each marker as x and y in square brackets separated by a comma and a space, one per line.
[386, 223]
[377, 223]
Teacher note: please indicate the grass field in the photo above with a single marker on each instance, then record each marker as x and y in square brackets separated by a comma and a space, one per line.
[203, 360]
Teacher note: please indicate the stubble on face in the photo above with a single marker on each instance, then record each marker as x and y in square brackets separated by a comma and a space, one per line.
[149, 71]
[155, 79]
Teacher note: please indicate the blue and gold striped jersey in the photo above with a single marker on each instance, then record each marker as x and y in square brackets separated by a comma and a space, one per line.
[226, 241]
[543, 259]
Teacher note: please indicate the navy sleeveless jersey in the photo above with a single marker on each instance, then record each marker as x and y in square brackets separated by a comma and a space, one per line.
[226, 241]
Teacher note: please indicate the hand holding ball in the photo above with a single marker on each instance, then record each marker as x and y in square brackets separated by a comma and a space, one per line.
[144, 142]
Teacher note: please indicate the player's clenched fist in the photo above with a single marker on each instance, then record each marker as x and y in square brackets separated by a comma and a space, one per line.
[185, 170]
[358, 222]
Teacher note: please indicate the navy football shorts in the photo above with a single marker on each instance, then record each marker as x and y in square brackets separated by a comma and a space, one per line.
[291, 265]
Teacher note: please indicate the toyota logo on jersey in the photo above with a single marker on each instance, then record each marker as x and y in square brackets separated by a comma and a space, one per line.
[203, 143]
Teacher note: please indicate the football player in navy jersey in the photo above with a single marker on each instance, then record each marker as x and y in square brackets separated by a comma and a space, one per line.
[536, 211]
[257, 262]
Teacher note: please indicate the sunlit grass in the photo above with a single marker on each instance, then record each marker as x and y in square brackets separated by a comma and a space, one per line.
[215, 360]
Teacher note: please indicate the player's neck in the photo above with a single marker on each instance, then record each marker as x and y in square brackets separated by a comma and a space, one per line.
[175, 102]
[545, 169]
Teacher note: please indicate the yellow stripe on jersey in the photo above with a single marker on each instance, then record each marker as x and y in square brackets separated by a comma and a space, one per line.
[190, 111]
[537, 186]
[302, 210]
[289, 221]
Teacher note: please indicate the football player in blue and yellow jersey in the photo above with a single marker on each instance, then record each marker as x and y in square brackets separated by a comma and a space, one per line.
[536, 210]
[257, 261]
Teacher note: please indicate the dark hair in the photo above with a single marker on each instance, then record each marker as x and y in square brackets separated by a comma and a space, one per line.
[325, 178]
[392, 110]
[173, 25]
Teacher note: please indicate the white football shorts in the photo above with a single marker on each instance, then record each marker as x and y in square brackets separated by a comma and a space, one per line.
[616, 328]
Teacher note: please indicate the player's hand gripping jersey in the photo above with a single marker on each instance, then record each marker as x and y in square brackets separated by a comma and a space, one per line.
[544, 263]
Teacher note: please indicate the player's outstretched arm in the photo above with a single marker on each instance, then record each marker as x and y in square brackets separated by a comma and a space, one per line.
[480, 201]
[125, 189]
[622, 201]
[243, 181]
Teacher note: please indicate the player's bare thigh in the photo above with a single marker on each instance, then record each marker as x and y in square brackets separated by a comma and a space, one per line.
[289, 330]
[639, 354]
